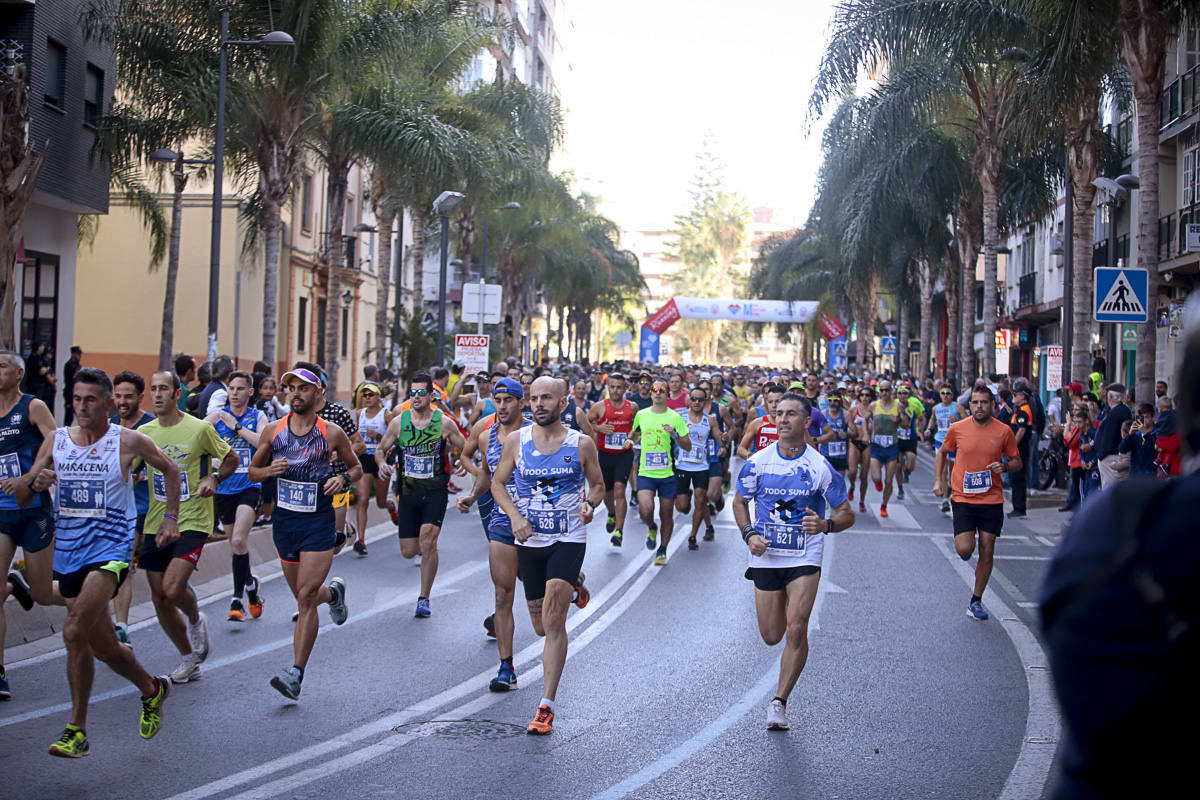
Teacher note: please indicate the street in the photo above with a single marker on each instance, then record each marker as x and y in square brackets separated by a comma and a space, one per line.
[664, 692]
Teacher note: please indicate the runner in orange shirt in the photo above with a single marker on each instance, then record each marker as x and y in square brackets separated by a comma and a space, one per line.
[977, 497]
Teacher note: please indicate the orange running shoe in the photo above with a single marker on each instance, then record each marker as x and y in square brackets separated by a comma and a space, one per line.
[883, 511]
[236, 614]
[254, 600]
[582, 595]
[543, 722]
[850, 494]
[862, 507]
[878, 486]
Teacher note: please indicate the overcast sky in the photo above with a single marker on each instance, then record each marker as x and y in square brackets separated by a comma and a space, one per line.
[646, 78]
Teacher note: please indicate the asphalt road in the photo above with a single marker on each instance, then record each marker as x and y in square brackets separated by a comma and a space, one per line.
[664, 693]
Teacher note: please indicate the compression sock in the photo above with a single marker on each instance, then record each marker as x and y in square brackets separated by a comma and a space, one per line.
[241, 573]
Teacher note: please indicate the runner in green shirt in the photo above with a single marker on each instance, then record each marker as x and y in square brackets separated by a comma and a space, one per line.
[658, 429]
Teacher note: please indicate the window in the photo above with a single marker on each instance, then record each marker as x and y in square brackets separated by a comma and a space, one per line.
[345, 331]
[349, 223]
[302, 325]
[39, 302]
[306, 202]
[93, 95]
[1026, 251]
[55, 85]
[1191, 164]
[1189, 47]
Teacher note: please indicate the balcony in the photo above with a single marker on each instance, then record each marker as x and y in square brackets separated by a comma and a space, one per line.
[1179, 98]
[1026, 290]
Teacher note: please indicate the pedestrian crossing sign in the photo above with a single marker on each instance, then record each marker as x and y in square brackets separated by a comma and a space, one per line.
[839, 349]
[1120, 294]
[888, 345]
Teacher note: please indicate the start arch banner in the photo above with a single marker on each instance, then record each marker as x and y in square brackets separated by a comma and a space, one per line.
[799, 311]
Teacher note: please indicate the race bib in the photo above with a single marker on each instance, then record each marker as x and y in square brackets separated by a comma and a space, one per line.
[160, 486]
[418, 466]
[904, 433]
[977, 482]
[371, 443]
[658, 460]
[711, 449]
[547, 522]
[81, 497]
[784, 537]
[837, 448]
[244, 454]
[10, 466]
[614, 441]
[697, 455]
[884, 441]
[299, 496]
[943, 423]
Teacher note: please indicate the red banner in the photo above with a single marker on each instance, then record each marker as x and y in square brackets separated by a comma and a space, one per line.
[830, 327]
[664, 318]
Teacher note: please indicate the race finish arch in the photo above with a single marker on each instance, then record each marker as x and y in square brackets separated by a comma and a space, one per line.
[678, 308]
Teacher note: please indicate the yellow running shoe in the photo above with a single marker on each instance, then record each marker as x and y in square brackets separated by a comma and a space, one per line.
[151, 719]
[72, 744]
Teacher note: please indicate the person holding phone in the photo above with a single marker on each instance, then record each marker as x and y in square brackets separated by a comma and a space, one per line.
[1139, 440]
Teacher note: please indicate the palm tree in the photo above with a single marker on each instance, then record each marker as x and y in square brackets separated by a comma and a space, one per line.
[20, 163]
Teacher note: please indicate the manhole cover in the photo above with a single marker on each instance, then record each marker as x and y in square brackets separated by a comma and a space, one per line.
[484, 729]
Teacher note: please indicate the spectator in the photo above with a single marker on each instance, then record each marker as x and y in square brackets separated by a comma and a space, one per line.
[1166, 438]
[73, 363]
[1113, 465]
[203, 378]
[1096, 376]
[1077, 435]
[1021, 422]
[216, 393]
[1160, 389]
[185, 368]
[371, 373]
[1036, 433]
[39, 374]
[1054, 411]
[1139, 442]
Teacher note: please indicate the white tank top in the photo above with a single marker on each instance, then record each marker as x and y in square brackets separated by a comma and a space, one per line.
[372, 429]
[94, 509]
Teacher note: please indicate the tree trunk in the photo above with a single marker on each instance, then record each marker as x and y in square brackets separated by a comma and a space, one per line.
[418, 258]
[1143, 29]
[339, 176]
[1083, 157]
[991, 240]
[952, 367]
[862, 316]
[902, 323]
[166, 343]
[383, 276]
[872, 321]
[925, 279]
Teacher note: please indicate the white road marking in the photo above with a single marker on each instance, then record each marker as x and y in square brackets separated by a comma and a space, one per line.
[1045, 541]
[1031, 770]
[1021, 558]
[1027, 604]
[898, 518]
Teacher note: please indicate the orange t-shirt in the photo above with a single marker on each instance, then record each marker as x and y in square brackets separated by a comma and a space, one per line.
[975, 446]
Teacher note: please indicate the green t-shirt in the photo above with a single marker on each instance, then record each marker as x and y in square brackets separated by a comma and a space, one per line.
[197, 448]
[656, 460]
[422, 457]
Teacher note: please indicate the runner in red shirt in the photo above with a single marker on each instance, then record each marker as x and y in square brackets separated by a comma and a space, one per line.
[761, 432]
[612, 420]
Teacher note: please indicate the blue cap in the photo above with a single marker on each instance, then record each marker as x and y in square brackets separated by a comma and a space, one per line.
[508, 386]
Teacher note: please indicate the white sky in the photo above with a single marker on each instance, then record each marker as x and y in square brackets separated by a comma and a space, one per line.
[642, 80]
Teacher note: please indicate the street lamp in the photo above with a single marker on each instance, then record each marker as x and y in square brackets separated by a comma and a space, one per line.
[271, 39]
[443, 206]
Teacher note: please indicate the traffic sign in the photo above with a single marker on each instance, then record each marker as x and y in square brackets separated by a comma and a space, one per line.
[1191, 237]
[888, 345]
[492, 295]
[472, 350]
[624, 338]
[1121, 294]
[839, 349]
[1129, 337]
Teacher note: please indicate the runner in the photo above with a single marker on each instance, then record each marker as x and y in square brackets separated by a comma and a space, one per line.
[980, 443]
[192, 444]
[502, 547]
[548, 466]
[128, 390]
[298, 451]
[372, 422]
[906, 435]
[236, 501]
[575, 415]
[692, 464]
[789, 484]
[761, 432]
[676, 393]
[836, 450]
[860, 452]
[485, 405]
[888, 415]
[94, 523]
[28, 422]
[422, 476]
[658, 429]
[612, 420]
[945, 414]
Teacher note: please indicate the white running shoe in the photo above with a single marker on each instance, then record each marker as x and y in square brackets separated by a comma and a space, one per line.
[188, 670]
[777, 716]
[198, 637]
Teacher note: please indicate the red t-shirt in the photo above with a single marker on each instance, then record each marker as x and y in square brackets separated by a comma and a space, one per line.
[975, 446]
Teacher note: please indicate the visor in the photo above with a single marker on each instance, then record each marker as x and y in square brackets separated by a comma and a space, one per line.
[301, 374]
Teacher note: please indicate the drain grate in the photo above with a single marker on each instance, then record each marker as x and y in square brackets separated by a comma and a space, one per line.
[469, 729]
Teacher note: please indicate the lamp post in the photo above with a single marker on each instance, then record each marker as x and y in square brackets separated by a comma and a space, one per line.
[443, 206]
[483, 266]
[272, 39]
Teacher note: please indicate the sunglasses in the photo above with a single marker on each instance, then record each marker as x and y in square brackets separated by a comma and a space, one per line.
[417, 392]
[946, 394]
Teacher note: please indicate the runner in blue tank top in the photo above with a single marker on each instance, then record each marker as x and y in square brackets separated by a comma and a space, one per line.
[502, 547]
[945, 414]
[128, 391]
[90, 465]
[549, 466]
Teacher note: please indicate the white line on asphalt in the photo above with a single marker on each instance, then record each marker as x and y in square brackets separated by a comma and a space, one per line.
[465, 571]
[1031, 770]
[1022, 558]
[713, 730]
[1027, 604]
[1045, 541]
[352, 736]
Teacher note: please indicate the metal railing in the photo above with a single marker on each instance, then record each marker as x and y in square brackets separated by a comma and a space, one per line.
[1179, 98]
[1026, 290]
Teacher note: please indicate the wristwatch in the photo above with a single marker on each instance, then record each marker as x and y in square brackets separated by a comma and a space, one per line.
[237, 428]
[593, 505]
[829, 526]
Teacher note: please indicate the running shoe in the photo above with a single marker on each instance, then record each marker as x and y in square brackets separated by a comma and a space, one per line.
[710, 533]
[693, 544]
[339, 541]
[721, 503]
[505, 680]
[660, 557]
[360, 547]
[5, 692]
[616, 539]
[123, 635]
[489, 625]
[392, 513]
[151, 718]
[900, 492]
[777, 716]
[850, 493]
[188, 670]
[253, 600]
[610, 524]
[198, 637]
[878, 486]
[417, 560]
[72, 744]
[862, 507]
[337, 603]
[237, 613]
[20, 592]
[945, 506]
[582, 595]
[712, 508]
[883, 511]
[287, 683]
[652, 537]
[725, 487]
[976, 611]
[1014, 514]
[422, 608]
[543, 722]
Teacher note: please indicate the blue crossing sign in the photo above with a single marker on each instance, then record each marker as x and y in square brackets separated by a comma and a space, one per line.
[887, 345]
[1121, 294]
